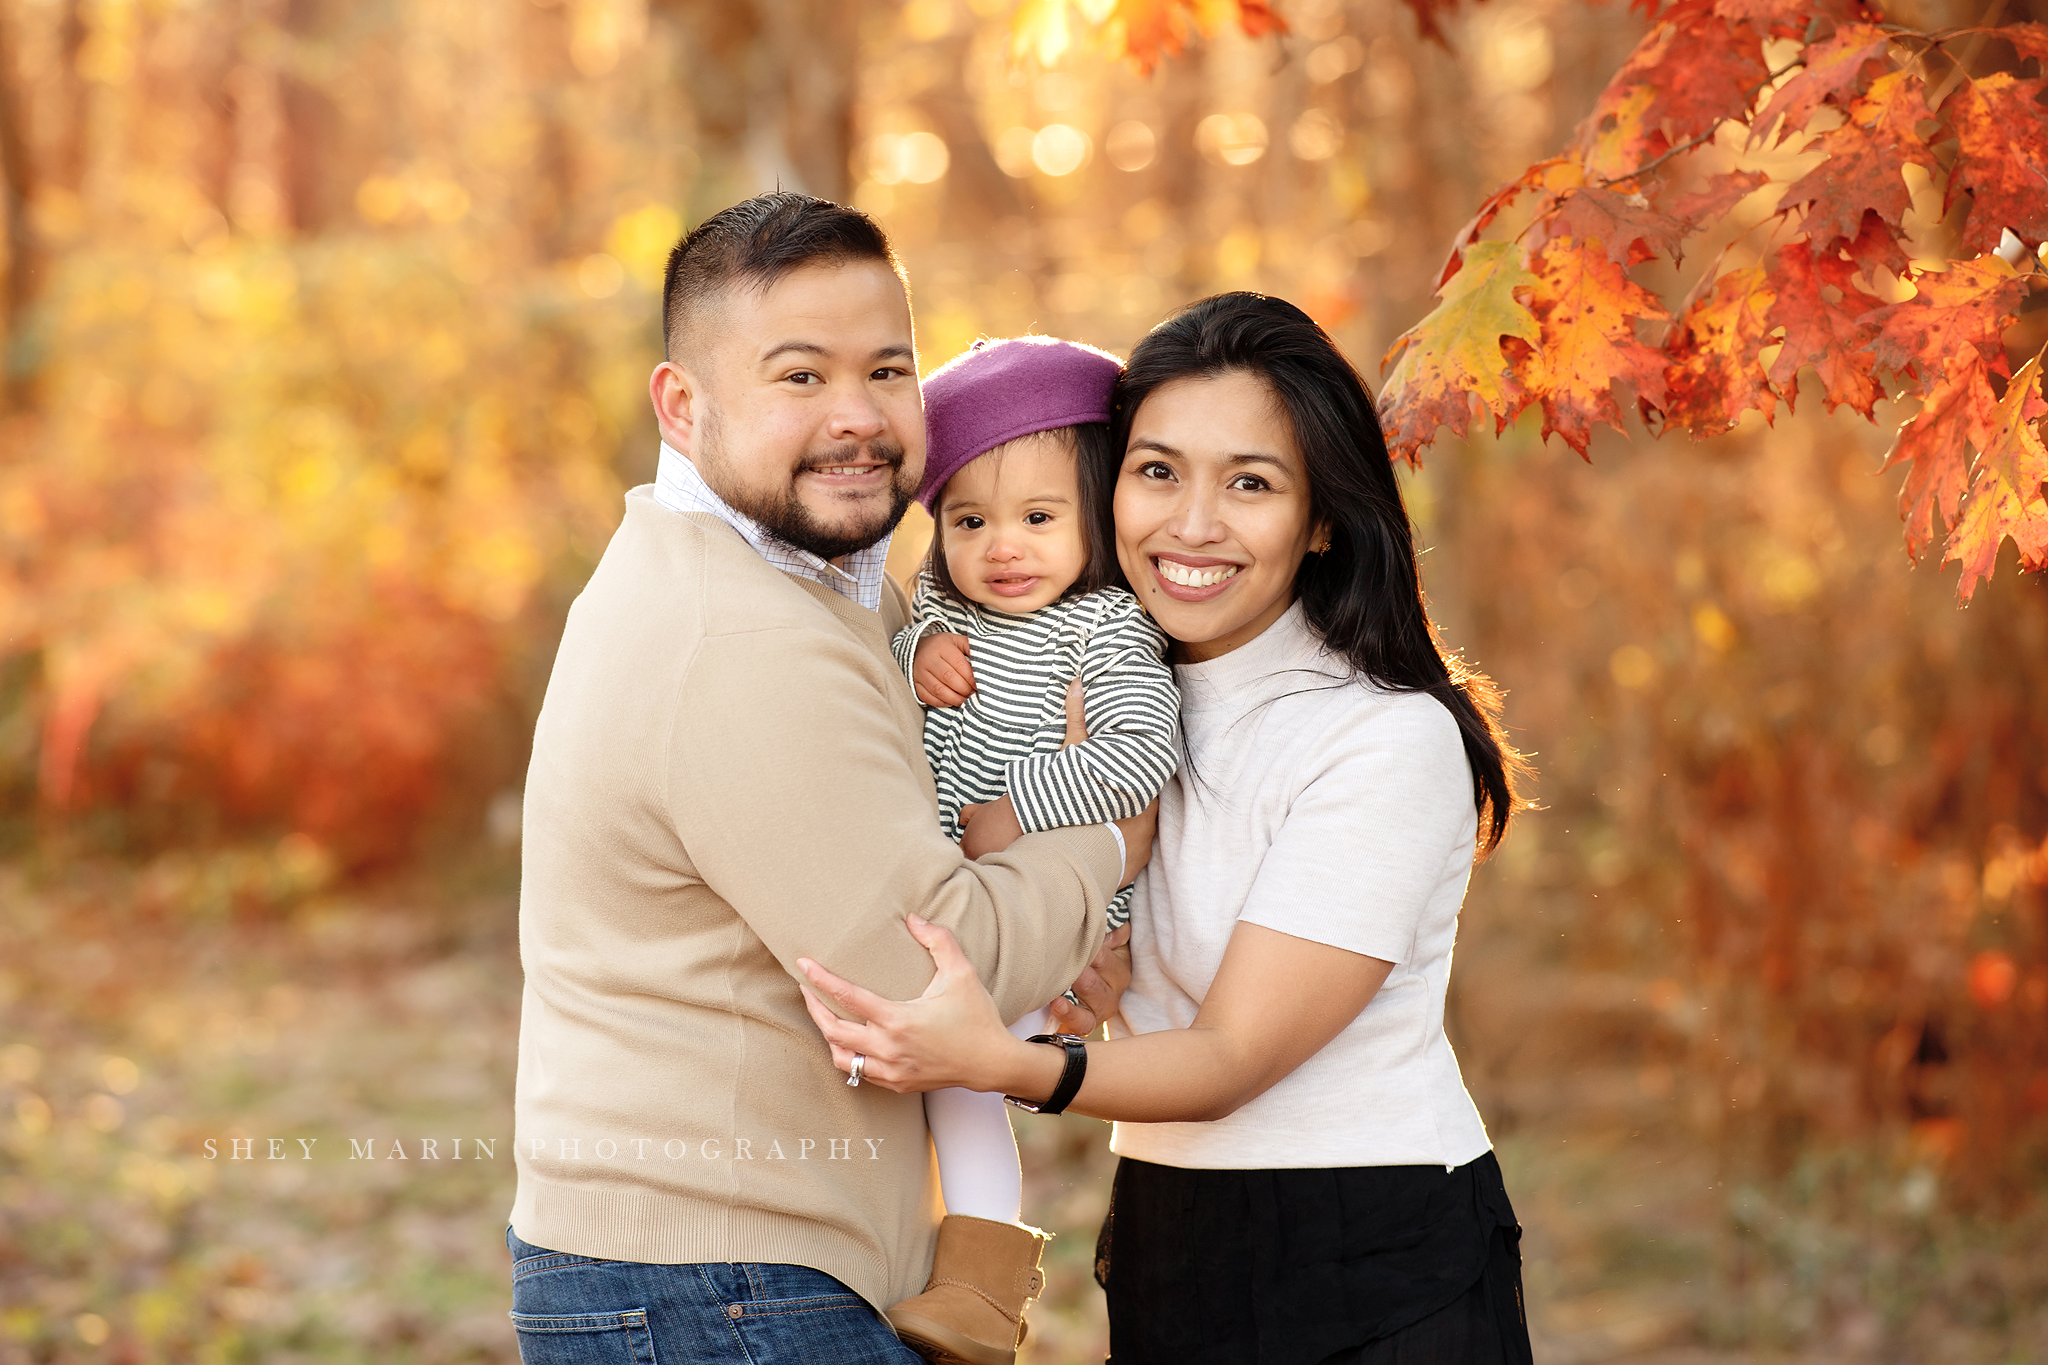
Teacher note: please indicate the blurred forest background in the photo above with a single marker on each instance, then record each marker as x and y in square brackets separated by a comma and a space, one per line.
[326, 334]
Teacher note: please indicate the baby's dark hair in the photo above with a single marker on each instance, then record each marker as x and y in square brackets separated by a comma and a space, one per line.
[1095, 469]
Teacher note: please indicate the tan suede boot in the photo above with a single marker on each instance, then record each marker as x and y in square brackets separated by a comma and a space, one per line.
[984, 1276]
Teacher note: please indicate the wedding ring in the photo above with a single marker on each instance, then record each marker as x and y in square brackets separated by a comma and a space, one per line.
[860, 1064]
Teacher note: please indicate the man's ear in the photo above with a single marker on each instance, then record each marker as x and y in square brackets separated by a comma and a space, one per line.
[678, 396]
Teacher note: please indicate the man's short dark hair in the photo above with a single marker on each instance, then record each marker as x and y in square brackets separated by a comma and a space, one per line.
[756, 243]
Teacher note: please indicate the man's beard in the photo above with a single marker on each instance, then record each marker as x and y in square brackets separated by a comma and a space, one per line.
[782, 514]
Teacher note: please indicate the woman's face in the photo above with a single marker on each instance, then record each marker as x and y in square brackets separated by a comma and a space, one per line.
[1212, 511]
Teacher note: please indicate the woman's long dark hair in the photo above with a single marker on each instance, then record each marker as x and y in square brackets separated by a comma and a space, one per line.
[1364, 595]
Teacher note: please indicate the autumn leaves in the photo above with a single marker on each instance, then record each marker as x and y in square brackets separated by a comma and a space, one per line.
[1830, 278]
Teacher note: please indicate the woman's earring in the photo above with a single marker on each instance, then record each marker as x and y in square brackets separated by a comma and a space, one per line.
[1320, 549]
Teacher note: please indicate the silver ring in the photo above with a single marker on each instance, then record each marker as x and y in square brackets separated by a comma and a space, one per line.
[860, 1064]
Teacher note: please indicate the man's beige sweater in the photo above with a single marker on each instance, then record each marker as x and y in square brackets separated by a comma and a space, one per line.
[728, 774]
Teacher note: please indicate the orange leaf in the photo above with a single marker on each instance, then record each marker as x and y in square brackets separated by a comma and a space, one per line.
[1957, 313]
[1558, 173]
[1825, 333]
[1454, 355]
[1143, 31]
[1588, 309]
[2005, 494]
[1956, 411]
[1865, 158]
[2001, 160]
[1715, 376]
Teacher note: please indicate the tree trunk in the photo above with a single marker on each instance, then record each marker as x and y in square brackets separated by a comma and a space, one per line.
[17, 232]
[772, 83]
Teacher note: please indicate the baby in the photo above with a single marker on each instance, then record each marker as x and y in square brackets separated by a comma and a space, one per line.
[1019, 599]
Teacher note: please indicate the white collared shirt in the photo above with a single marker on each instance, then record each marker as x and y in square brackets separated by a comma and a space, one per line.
[857, 576]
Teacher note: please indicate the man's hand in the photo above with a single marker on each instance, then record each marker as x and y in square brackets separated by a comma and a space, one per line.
[940, 672]
[1101, 987]
[989, 827]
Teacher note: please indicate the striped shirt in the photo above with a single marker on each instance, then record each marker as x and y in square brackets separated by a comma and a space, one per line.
[857, 576]
[1009, 736]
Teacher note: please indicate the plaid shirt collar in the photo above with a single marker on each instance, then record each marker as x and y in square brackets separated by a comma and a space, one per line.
[857, 576]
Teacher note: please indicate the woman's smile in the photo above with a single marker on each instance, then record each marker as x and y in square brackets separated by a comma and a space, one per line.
[1190, 578]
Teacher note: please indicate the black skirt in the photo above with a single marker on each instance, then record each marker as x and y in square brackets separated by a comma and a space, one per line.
[1358, 1265]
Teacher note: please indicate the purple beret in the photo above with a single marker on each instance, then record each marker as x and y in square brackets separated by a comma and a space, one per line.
[997, 391]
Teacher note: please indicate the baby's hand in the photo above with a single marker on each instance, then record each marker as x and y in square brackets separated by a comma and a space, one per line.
[940, 672]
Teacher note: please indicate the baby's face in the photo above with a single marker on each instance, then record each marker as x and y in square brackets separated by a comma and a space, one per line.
[1011, 523]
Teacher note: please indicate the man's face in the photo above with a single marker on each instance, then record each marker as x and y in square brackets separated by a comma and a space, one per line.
[799, 404]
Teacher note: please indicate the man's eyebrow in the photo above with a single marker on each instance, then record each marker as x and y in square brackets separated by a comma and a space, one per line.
[794, 347]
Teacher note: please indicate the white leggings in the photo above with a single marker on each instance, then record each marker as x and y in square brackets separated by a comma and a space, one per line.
[978, 1167]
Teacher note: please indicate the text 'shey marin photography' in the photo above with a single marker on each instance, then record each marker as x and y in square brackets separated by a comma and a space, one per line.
[734, 1148]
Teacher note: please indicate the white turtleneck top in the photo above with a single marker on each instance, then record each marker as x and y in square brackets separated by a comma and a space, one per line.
[1318, 805]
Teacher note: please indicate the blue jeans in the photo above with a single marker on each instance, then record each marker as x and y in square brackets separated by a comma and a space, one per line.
[575, 1310]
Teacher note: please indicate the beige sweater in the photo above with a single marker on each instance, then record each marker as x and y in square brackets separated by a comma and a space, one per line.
[729, 773]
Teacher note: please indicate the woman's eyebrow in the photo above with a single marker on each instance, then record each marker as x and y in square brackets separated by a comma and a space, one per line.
[1253, 457]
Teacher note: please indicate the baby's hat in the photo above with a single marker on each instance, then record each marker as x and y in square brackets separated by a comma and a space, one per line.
[996, 391]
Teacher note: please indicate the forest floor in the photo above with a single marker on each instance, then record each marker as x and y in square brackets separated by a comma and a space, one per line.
[132, 1038]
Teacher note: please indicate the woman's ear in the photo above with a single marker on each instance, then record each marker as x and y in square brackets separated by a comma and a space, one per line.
[1319, 535]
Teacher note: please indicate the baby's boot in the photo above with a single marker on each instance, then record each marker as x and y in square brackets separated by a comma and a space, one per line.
[984, 1276]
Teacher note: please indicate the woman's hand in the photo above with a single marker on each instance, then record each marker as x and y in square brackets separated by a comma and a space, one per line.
[949, 1036]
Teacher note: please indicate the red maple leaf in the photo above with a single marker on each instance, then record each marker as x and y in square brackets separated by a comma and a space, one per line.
[1833, 72]
[1718, 199]
[1715, 375]
[1692, 71]
[1587, 310]
[1864, 157]
[1825, 333]
[2030, 40]
[1625, 224]
[1876, 245]
[1791, 18]
[2001, 160]
[1959, 314]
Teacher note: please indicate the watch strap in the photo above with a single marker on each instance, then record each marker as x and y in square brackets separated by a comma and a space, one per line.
[1076, 1049]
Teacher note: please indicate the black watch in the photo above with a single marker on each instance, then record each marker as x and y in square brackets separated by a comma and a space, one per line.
[1070, 1079]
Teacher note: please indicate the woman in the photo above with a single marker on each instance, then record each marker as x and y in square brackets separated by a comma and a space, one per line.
[1303, 1176]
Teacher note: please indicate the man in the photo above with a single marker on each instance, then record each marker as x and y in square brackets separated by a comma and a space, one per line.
[728, 775]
